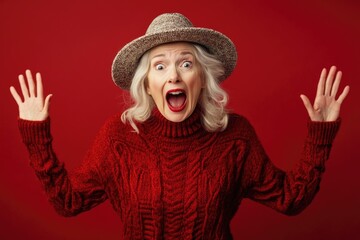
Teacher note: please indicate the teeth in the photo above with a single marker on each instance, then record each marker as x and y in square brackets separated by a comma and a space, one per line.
[176, 93]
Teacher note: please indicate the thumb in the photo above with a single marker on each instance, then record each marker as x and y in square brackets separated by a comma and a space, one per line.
[306, 101]
[47, 102]
[307, 105]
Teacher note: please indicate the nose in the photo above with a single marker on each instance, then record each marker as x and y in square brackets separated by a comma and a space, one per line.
[174, 75]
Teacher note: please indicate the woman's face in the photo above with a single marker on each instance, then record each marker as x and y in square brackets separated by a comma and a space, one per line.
[174, 80]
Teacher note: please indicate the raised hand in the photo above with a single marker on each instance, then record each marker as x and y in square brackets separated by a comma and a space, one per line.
[326, 107]
[32, 106]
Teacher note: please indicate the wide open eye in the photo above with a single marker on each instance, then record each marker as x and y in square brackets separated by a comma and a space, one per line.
[159, 66]
[186, 64]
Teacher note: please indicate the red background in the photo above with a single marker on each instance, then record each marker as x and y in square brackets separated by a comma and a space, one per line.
[282, 46]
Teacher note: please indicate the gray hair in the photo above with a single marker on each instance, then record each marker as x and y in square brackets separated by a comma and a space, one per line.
[213, 99]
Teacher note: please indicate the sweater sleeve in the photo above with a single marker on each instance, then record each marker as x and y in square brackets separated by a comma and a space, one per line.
[291, 192]
[69, 193]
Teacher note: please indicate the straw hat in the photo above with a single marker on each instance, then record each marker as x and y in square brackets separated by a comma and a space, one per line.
[166, 28]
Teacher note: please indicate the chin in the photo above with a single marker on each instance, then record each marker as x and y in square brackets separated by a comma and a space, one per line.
[177, 117]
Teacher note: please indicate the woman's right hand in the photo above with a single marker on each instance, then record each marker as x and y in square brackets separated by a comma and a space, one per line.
[32, 106]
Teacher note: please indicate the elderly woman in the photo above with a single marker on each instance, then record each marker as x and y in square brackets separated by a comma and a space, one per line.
[176, 164]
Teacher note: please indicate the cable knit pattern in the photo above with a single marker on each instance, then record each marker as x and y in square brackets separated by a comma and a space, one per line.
[175, 180]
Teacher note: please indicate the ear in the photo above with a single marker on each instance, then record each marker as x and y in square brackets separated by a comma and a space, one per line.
[147, 88]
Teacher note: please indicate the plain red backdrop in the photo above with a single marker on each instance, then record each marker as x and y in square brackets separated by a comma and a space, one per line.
[282, 47]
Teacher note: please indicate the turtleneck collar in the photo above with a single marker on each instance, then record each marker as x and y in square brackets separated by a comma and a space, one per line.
[157, 125]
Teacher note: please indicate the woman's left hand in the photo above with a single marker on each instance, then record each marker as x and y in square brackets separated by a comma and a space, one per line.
[326, 107]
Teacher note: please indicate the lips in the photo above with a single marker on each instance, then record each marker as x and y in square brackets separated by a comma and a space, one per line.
[176, 99]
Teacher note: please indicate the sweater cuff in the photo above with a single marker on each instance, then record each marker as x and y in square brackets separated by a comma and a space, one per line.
[35, 132]
[323, 133]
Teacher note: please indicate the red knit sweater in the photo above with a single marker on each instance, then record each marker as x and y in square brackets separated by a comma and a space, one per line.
[175, 180]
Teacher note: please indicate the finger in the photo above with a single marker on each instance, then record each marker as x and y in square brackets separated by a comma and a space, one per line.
[39, 87]
[30, 83]
[329, 80]
[336, 84]
[307, 105]
[47, 102]
[343, 94]
[23, 87]
[320, 87]
[15, 95]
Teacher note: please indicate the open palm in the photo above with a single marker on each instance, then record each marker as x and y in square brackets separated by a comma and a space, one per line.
[32, 106]
[326, 107]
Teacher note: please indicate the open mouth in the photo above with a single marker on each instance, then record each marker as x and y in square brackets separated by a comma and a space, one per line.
[176, 100]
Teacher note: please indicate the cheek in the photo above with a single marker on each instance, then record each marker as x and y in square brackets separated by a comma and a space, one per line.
[155, 91]
[154, 83]
[196, 86]
[151, 84]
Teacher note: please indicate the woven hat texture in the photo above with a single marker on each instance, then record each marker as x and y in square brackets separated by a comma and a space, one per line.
[167, 28]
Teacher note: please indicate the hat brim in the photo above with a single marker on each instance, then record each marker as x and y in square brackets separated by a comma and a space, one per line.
[127, 59]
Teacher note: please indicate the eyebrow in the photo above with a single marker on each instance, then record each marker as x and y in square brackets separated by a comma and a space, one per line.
[181, 54]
